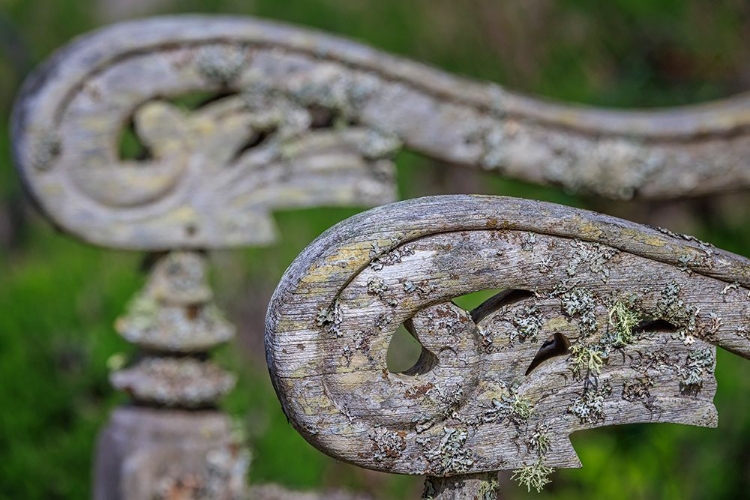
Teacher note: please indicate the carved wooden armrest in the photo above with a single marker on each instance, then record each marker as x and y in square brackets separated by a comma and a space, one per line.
[301, 118]
[600, 322]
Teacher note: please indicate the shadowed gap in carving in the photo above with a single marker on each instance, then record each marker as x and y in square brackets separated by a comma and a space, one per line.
[495, 301]
[406, 355]
[192, 101]
[323, 117]
[256, 140]
[557, 345]
[655, 325]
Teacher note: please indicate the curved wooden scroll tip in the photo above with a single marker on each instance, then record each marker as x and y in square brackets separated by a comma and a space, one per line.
[292, 117]
[601, 322]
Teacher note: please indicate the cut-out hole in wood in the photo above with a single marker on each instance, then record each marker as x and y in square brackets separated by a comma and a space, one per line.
[406, 355]
[474, 300]
[494, 300]
[557, 345]
[655, 325]
[130, 146]
[254, 141]
[196, 100]
[322, 117]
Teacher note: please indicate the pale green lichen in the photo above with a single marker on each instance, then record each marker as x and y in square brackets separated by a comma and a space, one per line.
[540, 440]
[512, 406]
[220, 64]
[534, 476]
[622, 319]
[673, 309]
[488, 490]
[387, 445]
[376, 286]
[451, 455]
[528, 323]
[587, 359]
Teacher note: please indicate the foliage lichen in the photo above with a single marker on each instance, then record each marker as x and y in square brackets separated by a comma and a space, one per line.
[691, 375]
[579, 303]
[589, 407]
[512, 406]
[330, 318]
[587, 359]
[534, 476]
[622, 319]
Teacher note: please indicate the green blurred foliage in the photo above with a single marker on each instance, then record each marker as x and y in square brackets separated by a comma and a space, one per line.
[59, 298]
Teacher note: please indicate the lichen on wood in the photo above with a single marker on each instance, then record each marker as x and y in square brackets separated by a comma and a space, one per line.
[503, 386]
[297, 118]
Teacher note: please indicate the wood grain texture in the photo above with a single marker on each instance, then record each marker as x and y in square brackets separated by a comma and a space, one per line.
[639, 310]
[299, 118]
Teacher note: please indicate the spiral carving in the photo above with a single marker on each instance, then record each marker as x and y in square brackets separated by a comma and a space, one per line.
[297, 118]
[601, 322]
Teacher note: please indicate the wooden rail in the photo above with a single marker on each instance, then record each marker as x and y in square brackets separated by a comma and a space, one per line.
[599, 322]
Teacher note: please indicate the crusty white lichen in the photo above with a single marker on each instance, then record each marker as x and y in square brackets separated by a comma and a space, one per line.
[381, 257]
[589, 407]
[579, 303]
[450, 455]
[386, 444]
[696, 364]
[592, 255]
[330, 318]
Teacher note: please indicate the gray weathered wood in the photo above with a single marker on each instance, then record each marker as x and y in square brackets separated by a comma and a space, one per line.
[635, 313]
[215, 172]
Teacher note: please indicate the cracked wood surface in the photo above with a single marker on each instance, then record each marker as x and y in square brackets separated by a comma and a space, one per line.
[298, 118]
[634, 314]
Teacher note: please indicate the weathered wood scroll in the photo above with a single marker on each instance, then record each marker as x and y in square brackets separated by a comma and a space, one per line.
[600, 322]
[297, 118]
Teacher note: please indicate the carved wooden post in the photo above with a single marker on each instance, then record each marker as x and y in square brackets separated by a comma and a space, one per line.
[600, 322]
[208, 179]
